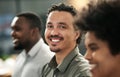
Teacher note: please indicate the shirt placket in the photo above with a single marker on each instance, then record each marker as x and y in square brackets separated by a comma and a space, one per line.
[55, 73]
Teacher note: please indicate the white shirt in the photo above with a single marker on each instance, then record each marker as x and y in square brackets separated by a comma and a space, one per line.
[30, 65]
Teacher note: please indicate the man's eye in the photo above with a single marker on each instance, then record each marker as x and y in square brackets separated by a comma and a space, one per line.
[17, 29]
[62, 27]
[49, 26]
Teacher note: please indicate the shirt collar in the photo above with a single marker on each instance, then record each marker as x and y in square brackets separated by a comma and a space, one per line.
[34, 49]
[65, 63]
[68, 59]
[53, 63]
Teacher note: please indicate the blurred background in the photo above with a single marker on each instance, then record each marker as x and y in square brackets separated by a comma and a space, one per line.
[9, 8]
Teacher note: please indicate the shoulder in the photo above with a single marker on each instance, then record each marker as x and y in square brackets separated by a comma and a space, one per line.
[20, 55]
[80, 66]
[45, 70]
[45, 50]
[80, 62]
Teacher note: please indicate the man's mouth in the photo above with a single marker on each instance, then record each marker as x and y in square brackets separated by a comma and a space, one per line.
[55, 40]
[15, 41]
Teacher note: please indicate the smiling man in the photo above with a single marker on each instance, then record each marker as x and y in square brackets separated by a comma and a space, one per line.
[63, 37]
[26, 35]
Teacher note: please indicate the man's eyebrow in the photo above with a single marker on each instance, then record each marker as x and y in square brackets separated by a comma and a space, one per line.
[49, 23]
[62, 23]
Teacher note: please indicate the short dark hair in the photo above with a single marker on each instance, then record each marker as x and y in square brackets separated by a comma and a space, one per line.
[63, 7]
[67, 8]
[104, 20]
[32, 18]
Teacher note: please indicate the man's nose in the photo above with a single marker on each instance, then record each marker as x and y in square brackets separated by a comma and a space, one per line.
[55, 31]
[13, 33]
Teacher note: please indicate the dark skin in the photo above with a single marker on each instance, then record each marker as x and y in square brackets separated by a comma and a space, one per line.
[24, 37]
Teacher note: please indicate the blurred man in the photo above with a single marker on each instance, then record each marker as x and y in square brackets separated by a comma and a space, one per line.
[26, 29]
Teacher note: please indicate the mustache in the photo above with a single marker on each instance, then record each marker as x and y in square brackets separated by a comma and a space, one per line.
[56, 36]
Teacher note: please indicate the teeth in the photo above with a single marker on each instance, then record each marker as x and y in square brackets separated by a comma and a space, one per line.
[92, 66]
[15, 40]
[54, 40]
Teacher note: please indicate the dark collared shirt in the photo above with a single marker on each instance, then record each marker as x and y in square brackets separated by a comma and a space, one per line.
[74, 65]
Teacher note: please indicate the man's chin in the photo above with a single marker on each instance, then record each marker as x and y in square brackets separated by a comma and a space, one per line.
[18, 48]
[55, 50]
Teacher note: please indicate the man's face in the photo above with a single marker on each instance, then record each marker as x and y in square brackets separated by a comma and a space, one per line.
[21, 33]
[103, 63]
[60, 33]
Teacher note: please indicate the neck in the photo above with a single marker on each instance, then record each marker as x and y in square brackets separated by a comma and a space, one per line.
[62, 54]
[31, 44]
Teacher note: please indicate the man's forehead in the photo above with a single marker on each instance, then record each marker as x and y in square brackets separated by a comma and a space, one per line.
[14, 20]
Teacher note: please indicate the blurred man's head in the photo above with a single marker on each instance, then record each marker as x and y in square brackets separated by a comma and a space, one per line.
[26, 29]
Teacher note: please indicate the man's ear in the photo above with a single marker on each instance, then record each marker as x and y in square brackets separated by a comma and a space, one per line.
[34, 31]
[78, 34]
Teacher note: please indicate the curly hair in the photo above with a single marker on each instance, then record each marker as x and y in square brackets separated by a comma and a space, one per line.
[104, 20]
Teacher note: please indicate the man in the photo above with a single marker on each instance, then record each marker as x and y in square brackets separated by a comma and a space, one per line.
[26, 35]
[102, 39]
[63, 37]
